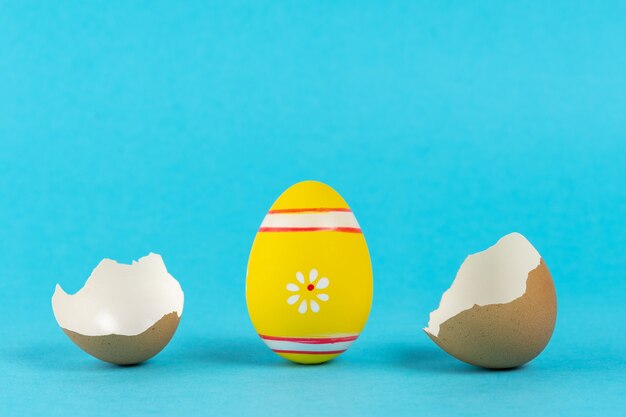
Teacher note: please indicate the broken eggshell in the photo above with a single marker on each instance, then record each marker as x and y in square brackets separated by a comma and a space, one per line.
[125, 314]
[500, 311]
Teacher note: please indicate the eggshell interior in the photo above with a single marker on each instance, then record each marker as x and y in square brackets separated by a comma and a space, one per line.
[496, 275]
[120, 299]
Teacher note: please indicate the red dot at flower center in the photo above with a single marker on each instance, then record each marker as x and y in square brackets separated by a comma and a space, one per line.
[310, 287]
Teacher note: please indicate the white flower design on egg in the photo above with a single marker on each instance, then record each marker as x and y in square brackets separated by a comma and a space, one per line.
[308, 294]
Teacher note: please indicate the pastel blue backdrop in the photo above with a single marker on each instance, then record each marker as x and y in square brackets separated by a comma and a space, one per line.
[130, 127]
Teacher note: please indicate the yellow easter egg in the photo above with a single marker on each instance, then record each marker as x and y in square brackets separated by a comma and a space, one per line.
[309, 285]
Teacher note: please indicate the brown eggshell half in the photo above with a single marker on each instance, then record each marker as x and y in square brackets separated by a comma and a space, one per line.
[129, 350]
[500, 336]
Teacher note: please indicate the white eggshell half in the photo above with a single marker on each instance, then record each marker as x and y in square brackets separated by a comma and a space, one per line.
[120, 299]
[496, 275]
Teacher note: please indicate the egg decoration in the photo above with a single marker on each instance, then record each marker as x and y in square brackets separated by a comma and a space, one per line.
[309, 283]
[124, 314]
[500, 311]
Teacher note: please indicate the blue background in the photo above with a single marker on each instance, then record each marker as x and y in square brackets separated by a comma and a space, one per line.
[130, 127]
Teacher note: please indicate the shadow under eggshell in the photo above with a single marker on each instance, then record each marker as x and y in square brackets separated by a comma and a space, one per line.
[129, 350]
[500, 336]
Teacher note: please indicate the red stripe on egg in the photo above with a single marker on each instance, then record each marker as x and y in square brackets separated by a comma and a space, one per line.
[302, 352]
[309, 210]
[311, 229]
[332, 345]
[311, 340]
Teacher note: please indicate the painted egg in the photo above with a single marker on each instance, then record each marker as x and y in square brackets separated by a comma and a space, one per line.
[309, 284]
